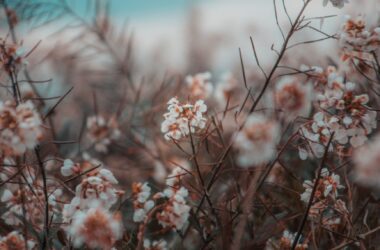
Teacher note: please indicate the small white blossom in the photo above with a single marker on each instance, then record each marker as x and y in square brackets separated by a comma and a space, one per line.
[199, 85]
[183, 119]
[257, 141]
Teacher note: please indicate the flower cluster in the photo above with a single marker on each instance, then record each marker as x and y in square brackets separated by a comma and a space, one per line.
[183, 119]
[257, 140]
[155, 245]
[87, 217]
[15, 240]
[328, 186]
[293, 97]
[356, 41]
[20, 128]
[326, 206]
[141, 202]
[176, 211]
[199, 85]
[102, 132]
[366, 158]
[70, 168]
[342, 111]
[23, 202]
[97, 227]
[95, 189]
[287, 239]
[11, 56]
[173, 212]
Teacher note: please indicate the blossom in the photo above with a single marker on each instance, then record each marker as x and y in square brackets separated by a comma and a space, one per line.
[97, 188]
[15, 240]
[175, 213]
[257, 141]
[287, 239]
[342, 111]
[328, 186]
[155, 245]
[69, 168]
[12, 56]
[142, 204]
[96, 228]
[181, 120]
[366, 159]
[293, 97]
[22, 202]
[355, 39]
[199, 85]
[102, 131]
[20, 128]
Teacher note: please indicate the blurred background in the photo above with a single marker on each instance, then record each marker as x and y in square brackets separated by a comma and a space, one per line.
[130, 56]
[169, 35]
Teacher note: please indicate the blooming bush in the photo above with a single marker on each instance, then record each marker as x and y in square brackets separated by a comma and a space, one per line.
[280, 155]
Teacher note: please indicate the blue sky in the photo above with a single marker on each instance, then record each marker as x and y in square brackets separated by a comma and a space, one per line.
[140, 8]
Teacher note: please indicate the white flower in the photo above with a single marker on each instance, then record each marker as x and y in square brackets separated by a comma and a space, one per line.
[155, 245]
[293, 97]
[257, 141]
[108, 176]
[328, 186]
[15, 240]
[20, 128]
[287, 239]
[199, 85]
[141, 203]
[96, 228]
[67, 167]
[183, 119]
[176, 212]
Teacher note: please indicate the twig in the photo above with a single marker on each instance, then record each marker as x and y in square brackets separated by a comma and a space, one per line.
[311, 200]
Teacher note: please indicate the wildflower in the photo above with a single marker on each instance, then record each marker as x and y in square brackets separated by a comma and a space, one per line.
[343, 112]
[356, 40]
[14, 240]
[175, 213]
[20, 128]
[257, 140]
[287, 239]
[199, 85]
[69, 168]
[155, 245]
[12, 56]
[96, 228]
[23, 202]
[102, 132]
[366, 159]
[328, 186]
[181, 120]
[142, 204]
[97, 188]
[293, 97]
